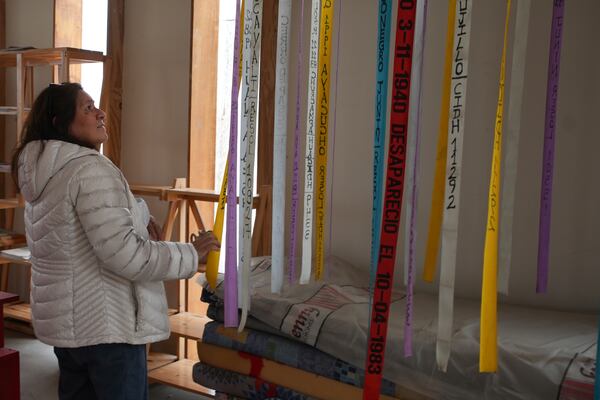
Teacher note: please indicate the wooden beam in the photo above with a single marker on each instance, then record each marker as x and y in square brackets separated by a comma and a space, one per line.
[112, 84]
[203, 121]
[3, 181]
[203, 99]
[67, 33]
[266, 116]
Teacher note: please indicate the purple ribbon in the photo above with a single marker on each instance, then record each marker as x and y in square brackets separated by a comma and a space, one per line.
[549, 136]
[231, 290]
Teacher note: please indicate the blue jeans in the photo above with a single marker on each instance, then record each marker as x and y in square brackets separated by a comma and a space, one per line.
[114, 371]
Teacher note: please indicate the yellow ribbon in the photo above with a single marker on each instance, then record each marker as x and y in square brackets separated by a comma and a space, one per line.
[323, 120]
[437, 197]
[212, 263]
[488, 344]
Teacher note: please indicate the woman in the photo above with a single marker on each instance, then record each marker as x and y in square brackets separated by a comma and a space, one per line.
[97, 290]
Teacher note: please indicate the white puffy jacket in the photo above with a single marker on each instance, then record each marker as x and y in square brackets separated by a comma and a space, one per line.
[96, 277]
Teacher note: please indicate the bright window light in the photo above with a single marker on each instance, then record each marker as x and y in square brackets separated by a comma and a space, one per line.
[93, 37]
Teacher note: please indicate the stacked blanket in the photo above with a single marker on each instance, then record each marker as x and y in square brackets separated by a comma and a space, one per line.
[282, 350]
[539, 350]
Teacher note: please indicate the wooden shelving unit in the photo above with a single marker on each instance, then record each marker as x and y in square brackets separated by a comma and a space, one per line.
[25, 60]
[18, 315]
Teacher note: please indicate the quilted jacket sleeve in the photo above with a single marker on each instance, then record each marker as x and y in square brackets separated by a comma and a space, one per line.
[102, 204]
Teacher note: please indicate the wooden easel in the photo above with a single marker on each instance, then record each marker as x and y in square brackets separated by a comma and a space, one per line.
[180, 198]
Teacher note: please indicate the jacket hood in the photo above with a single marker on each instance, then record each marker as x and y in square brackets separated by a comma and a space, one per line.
[41, 160]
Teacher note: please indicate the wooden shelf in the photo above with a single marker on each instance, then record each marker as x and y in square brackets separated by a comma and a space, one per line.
[10, 203]
[158, 360]
[179, 375]
[18, 311]
[188, 325]
[8, 110]
[150, 190]
[53, 56]
[12, 240]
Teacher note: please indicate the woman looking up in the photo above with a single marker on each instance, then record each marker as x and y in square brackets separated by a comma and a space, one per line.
[97, 291]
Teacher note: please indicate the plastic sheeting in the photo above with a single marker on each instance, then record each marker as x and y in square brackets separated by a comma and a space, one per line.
[536, 346]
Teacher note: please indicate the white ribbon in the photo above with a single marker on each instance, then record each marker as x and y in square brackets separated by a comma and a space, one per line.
[309, 173]
[511, 143]
[412, 169]
[456, 127]
[280, 144]
[250, 85]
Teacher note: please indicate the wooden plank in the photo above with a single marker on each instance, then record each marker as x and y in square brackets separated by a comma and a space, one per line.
[203, 101]
[296, 379]
[158, 360]
[6, 297]
[18, 311]
[179, 375]
[51, 56]
[67, 32]
[188, 325]
[112, 84]
[266, 116]
[9, 203]
[150, 190]
[20, 93]
[3, 179]
[201, 139]
[196, 214]
[19, 326]
[4, 277]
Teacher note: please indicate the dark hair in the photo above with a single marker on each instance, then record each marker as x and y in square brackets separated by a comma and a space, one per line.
[52, 113]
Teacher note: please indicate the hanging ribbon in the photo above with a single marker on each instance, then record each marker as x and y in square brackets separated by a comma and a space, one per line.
[488, 350]
[323, 121]
[456, 129]
[511, 144]
[384, 282]
[382, 61]
[412, 169]
[280, 148]
[597, 363]
[212, 263]
[296, 178]
[250, 79]
[437, 196]
[231, 289]
[309, 174]
[549, 135]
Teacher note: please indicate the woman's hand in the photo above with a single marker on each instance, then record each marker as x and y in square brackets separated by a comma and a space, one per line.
[154, 229]
[204, 243]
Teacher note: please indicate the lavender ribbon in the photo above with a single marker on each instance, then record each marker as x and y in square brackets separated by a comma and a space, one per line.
[294, 210]
[413, 168]
[231, 291]
[549, 136]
